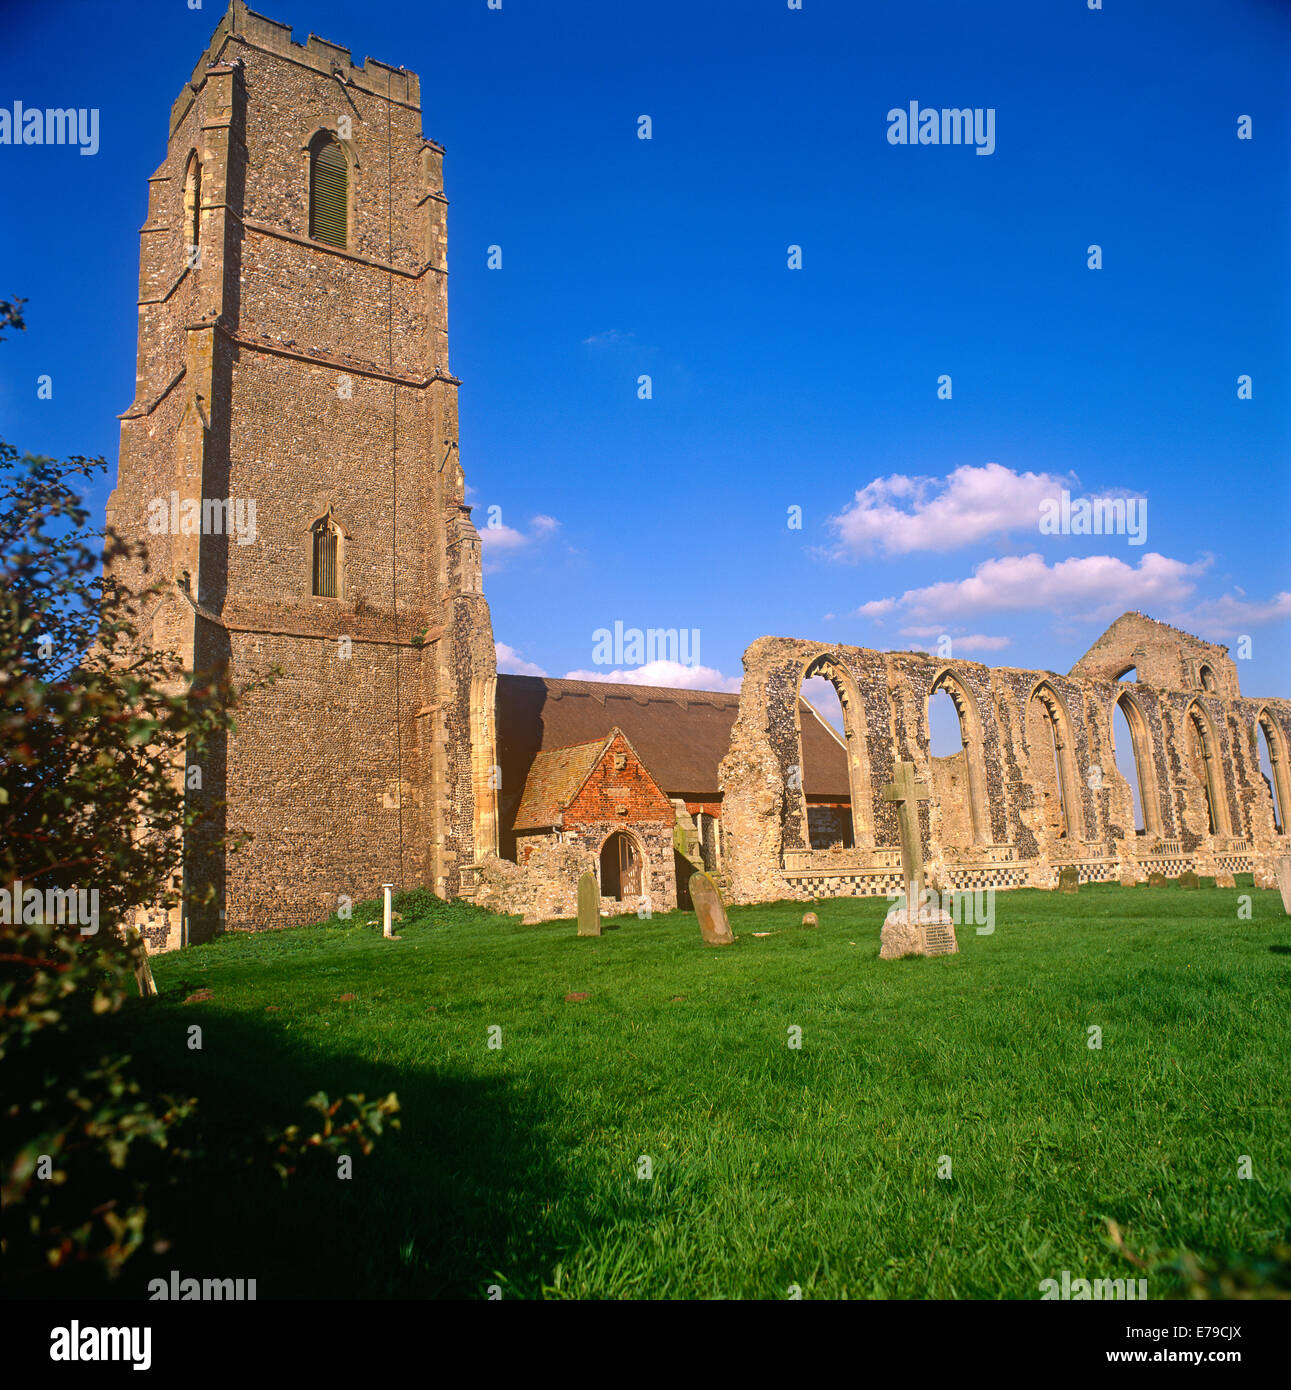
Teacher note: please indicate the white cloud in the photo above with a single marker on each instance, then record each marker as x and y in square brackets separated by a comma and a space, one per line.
[899, 514]
[662, 672]
[611, 337]
[501, 540]
[502, 537]
[960, 642]
[1230, 615]
[1093, 585]
[513, 664]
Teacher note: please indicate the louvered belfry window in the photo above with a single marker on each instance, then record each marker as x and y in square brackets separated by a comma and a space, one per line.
[327, 573]
[328, 193]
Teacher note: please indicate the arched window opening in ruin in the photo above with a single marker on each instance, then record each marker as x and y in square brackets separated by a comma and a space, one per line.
[620, 867]
[1049, 733]
[829, 805]
[836, 792]
[1208, 769]
[1273, 766]
[1129, 674]
[329, 193]
[192, 210]
[959, 775]
[1207, 678]
[1134, 762]
[329, 557]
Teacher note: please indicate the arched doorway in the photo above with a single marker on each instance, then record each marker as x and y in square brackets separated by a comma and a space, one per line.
[621, 869]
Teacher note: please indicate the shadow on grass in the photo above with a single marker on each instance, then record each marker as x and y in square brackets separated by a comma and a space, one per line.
[463, 1195]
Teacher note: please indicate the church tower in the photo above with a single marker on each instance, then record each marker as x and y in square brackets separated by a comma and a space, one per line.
[290, 458]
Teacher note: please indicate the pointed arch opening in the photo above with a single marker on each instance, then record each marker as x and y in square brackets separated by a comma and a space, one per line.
[328, 538]
[193, 212]
[1207, 769]
[329, 191]
[1273, 767]
[1132, 748]
[622, 867]
[959, 778]
[1054, 762]
[835, 769]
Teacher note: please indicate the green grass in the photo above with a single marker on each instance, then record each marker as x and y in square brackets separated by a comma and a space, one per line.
[772, 1167]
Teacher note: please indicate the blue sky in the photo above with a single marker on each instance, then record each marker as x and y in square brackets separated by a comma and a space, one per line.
[777, 388]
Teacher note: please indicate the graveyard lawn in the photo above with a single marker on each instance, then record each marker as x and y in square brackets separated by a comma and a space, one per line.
[770, 1166]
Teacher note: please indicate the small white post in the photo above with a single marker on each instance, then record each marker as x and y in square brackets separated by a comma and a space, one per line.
[388, 928]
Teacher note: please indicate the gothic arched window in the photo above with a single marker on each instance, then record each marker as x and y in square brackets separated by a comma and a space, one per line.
[329, 556]
[329, 178]
[192, 212]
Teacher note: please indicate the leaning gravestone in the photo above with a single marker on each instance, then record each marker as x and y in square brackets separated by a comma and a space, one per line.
[589, 905]
[707, 901]
[1188, 879]
[1283, 867]
[1069, 879]
[1156, 880]
[913, 927]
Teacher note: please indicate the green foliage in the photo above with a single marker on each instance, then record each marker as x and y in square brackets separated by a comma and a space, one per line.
[96, 728]
[292, 1146]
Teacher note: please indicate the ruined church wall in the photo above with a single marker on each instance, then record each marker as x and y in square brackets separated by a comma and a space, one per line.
[1000, 806]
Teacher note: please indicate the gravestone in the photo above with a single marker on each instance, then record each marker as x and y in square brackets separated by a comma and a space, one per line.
[589, 905]
[1283, 868]
[1225, 881]
[809, 919]
[713, 926]
[1188, 879]
[1156, 879]
[143, 972]
[1069, 879]
[913, 927]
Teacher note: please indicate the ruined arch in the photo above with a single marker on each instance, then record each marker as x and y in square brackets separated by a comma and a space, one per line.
[1207, 678]
[970, 733]
[828, 667]
[1280, 780]
[1144, 763]
[1208, 767]
[1051, 745]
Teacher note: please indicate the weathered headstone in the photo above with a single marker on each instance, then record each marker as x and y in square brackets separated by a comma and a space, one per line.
[589, 905]
[1156, 879]
[1188, 879]
[809, 919]
[913, 927]
[713, 926]
[1069, 879]
[1225, 881]
[143, 972]
[1283, 868]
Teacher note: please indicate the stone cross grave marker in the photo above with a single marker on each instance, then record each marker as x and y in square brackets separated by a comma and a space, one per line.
[1283, 867]
[713, 926]
[589, 905]
[907, 791]
[913, 929]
